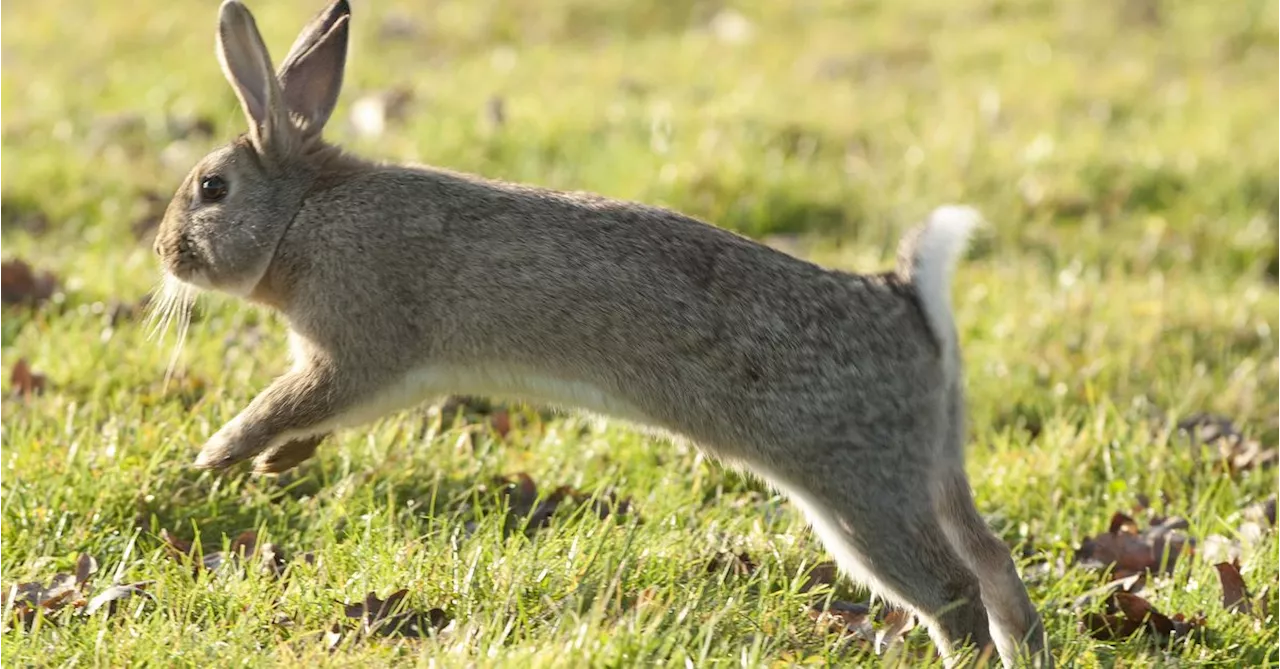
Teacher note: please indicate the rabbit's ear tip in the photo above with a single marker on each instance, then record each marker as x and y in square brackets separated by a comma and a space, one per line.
[231, 8]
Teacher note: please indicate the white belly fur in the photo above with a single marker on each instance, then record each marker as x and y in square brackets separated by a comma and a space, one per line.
[505, 382]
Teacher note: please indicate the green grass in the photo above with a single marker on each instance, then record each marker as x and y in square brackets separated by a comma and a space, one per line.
[1128, 165]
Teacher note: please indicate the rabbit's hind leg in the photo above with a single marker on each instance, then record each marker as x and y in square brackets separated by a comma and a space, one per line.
[888, 537]
[1016, 626]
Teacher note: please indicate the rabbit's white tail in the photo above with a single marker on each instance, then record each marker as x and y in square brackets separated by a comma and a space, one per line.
[926, 259]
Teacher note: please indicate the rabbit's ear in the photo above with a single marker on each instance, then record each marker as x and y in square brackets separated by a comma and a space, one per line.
[311, 75]
[247, 65]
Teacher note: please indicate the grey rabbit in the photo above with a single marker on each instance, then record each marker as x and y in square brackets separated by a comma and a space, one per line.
[401, 283]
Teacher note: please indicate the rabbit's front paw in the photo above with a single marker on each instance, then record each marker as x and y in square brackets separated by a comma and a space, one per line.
[228, 446]
[286, 456]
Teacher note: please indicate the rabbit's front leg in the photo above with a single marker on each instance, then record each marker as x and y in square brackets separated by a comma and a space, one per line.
[283, 457]
[293, 413]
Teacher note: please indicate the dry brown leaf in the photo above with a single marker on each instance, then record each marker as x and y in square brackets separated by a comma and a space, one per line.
[387, 617]
[86, 566]
[848, 618]
[1235, 596]
[855, 620]
[520, 492]
[1228, 446]
[1130, 551]
[20, 284]
[244, 549]
[525, 509]
[63, 590]
[25, 382]
[500, 421]
[541, 515]
[740, 564]
[895, 623]
[1127, 613]
[608, 504]
[823, 573]
[110, 597]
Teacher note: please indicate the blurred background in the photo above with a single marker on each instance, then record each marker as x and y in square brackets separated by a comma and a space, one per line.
[1144, 130]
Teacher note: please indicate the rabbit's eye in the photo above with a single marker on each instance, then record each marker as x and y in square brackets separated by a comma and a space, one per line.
[213, 188]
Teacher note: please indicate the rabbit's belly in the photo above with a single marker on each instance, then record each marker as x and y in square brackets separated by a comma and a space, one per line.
[506, 382]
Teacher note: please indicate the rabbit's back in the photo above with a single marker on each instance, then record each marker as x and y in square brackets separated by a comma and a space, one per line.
[689, 326]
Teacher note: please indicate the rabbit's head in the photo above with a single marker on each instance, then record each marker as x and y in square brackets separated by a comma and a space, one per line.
[223, 226]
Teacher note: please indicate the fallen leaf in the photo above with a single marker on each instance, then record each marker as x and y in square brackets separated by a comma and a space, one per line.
[740, 564]
[500, 421]
[608, 504]
[1127, 613]
[86, 566]
[823, 573]
[62, 590]
[1207, 427]
[25, 382]
[112, 596]
[1235, 596]
[244, 549]
[1129, 551]
[20, 284]
[1249, 535]
[541, 514]
[520, 492]
[176, 547]
[895, 623]
[526, 509]
[386, 618]
[847, 618]
[1228, 445]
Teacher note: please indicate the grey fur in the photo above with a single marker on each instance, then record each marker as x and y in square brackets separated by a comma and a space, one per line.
[400, 283]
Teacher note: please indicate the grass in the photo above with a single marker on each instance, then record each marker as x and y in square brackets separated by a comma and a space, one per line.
[1125, 153]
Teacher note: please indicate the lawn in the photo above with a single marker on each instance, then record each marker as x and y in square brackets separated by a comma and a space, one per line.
[1125, 154]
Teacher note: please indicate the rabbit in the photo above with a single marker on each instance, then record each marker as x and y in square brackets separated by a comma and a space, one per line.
[403, 283]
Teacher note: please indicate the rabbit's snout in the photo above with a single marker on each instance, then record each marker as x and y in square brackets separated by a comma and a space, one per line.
[177, 251]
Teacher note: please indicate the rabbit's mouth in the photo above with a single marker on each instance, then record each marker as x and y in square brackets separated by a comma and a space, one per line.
[187, 270]
[183, 261]
[194, 276]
